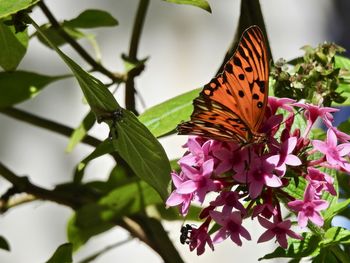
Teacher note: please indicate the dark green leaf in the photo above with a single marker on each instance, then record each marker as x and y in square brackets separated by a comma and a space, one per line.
[199, 3]
[163, 118]
[172, 213]
[345, 126]
[336, 235]
[81, 131]
[296, 248]
[92, 18]
[63, 254]
[143, 153]
[4, 244]
[9, 7]
[100, 99]
[13, 46]
[19, 86]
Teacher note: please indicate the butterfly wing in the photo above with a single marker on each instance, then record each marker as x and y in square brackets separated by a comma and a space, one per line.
[231, 106]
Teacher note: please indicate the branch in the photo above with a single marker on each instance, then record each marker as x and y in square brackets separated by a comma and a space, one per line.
[80, 50]
[46, 124]
[22, 184]
[134, 44]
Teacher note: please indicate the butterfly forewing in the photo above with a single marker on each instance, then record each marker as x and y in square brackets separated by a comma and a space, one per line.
[232, 105]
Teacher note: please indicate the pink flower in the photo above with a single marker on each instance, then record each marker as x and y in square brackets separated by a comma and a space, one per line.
[199, 181]
[199, 238]
[283, 103]
[231, 227]
[285, 156]
[312, 112]
[259, 174]
[229, 200]
[280, 229]
[176, 198]
[320, 181]
[308, 209]
[198, 152]
[334, 153]
[228, 156]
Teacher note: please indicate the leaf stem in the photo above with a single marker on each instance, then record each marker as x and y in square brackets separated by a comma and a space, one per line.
[134, 44]
[117, 78]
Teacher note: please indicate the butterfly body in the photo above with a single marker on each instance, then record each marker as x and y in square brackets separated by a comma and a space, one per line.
[231, 107]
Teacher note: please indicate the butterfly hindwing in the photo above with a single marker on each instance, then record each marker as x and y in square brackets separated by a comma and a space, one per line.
[232, 105]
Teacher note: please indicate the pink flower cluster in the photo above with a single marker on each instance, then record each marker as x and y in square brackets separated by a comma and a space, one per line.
[256, 175]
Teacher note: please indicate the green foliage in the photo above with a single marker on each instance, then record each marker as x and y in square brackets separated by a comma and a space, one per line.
[92, 18]
[13, 46]
[10, 7]
[163, 118]
[19, 86]
[199, 3]
[4, 244]
[316, 76]
[63, 254]
[80, 132]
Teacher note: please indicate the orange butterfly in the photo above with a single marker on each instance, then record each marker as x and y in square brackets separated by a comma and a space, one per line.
[231, 107]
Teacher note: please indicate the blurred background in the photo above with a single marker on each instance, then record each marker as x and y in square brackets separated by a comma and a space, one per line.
[185, 46]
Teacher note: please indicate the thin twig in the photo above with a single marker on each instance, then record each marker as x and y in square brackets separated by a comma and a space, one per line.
[134, 44]
[80, 50]
[46, 124]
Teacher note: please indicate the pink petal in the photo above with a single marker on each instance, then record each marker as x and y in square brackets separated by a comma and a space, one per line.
[302, 219]
[274, 159]
[218, 217]
[235, 238]
[265, 223]
[320, 205]
[220, 236]
[208, 167]
[317, 219]
[343, 149]
[331, 138]
[293, 160]
[282, 240]
[272, 180]
[255, 189]
[174, 199]
[292, 142]
[187, 187]
[244, 233]
[320, 146]
[296, 205]
[293, 234]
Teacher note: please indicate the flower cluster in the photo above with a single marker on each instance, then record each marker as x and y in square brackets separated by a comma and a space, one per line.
[257, 175]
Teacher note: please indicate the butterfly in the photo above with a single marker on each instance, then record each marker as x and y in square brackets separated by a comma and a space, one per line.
[231, 107]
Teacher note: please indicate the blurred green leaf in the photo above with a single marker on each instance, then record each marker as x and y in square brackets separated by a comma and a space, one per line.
[342, 62]
[95, 218]
[54, 36]
[19, 86]
[81, 131]
[13, 46]
[78, 235]
[199, 3]
[345, 126]
[4, 244]
[63, 254]
[92, 18]
[143, 153]
[163, 118]
[336, 235]
[296, 248]
[10, 7]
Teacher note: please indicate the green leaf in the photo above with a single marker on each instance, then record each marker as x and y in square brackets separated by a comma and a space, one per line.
[19, 86]
[13, 46]
[345, 126]
[100, 99]
[296, 248]
[9, 7]
[342, 62]
[199, 3]
[4, 244]
[163, 118]
[92, 18]
[336, 235]
[63, 254]
[143, 153]
[81, 131]
[95, 218]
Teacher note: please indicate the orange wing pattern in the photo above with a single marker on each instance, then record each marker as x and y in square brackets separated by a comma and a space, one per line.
[231, 107]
